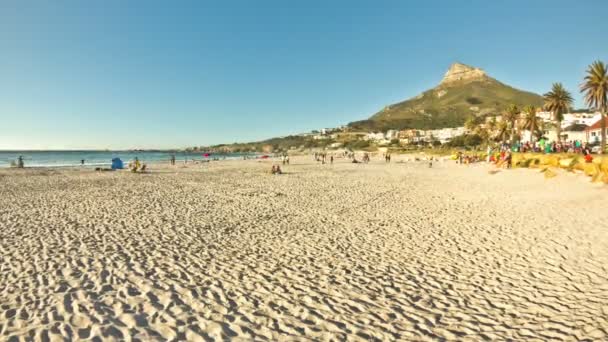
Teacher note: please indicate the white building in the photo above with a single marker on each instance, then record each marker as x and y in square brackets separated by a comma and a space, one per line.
[587, 119]
[374, 136]
[594, 132]
[445, 134]
[574, 132]
[545, 116]
[392, 134]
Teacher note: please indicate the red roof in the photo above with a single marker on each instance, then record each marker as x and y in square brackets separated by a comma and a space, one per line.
[597, 125]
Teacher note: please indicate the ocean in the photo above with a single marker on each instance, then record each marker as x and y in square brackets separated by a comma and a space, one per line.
[103, 158]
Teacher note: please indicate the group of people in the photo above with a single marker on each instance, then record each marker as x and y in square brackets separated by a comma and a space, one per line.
[463, 158]
[544, 146]
[365, 159]
[322, 157]
[387, 157]
[276, 169]
[501, 157]
[137, 166]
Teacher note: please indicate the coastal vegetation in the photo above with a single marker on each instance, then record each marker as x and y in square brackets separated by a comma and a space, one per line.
[595, 89]
[463, 92]
[489, 111]
[558, 101]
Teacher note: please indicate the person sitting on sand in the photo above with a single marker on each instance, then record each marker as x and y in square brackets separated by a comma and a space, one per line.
[276, 170]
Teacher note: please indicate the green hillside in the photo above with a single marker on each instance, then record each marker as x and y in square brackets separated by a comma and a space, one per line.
[450, 103]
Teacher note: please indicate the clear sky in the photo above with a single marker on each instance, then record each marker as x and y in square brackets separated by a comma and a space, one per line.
[160, 74]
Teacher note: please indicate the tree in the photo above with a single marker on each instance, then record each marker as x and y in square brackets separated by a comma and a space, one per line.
[470, 124]
[483, 134]
[595, 88]
[558, 101]
[502, 129]
[472, 140]
[511, 115]
[531, 121]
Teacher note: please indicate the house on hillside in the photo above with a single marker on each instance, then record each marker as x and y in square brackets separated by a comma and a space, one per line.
[374, 136]
[392, 134]
[594, 132]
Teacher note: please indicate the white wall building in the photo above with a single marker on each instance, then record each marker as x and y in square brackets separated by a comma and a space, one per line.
[587, 119]
[545, 116]
[374, 136]
[445, 134]
[392, 134]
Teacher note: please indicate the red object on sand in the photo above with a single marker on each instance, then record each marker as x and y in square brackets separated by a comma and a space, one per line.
[588, 158]
[264, 157]
[206, 155]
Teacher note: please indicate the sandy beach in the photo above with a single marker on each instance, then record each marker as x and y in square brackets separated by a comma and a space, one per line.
[347, 251]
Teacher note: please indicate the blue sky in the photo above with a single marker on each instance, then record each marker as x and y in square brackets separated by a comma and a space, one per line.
[160, 74]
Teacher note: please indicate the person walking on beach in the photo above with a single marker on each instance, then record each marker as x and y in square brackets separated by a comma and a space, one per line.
[331, 159]
[82, 162]
[172, 160]
[20, 162]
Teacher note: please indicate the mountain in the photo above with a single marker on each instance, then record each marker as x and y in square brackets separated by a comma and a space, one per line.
[464, 91]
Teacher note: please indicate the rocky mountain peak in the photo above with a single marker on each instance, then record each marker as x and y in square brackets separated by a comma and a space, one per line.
[460, 72]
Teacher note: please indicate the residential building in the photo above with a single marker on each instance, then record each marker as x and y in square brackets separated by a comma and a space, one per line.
[409, 133]
[497, 118]
[392, 134]
[587, 119]
[374, 136]
[545, 116]
[574, 132]
[445, 134]
[594, 132]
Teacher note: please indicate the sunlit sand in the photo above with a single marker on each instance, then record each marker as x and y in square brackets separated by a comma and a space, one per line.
[380, 251]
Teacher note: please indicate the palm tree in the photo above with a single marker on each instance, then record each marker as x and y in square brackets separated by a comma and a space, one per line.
[511, 116]
[502, 129]
[491, 125]
[483, 133]
[595, 88]
[531, 121]
[558, 101]
[470, 123]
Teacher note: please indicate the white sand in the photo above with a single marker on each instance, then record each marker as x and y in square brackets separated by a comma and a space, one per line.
[358, 252]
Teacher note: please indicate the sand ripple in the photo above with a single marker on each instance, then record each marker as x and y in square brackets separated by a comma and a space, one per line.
[358, 252]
